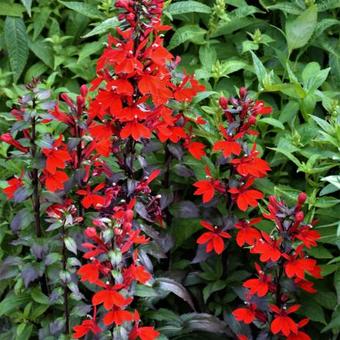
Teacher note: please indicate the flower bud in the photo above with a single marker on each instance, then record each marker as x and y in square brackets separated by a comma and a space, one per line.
[80, 101]
[223, 103]
[302, 198]
[243, 92]
[252, 120]
[83, 90]
[272, 200]
[299, 216]
[66, 99]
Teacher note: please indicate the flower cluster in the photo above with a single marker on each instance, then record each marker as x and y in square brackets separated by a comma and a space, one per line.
[241, 161]
[133, 97]
[91, 169]
[270, 296]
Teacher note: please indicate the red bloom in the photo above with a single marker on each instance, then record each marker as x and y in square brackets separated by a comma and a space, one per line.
[196, 149]
[213, 238]
[268, 248]
[89, 272]
[85, 327]
[136, 130]
[184, 92]
[91, 198]
[139, 273]
[246, 314]
[13, 185]
[298, 267]
[55, 181]
[305, 285]
[251, 165]
[110, 298]
[307, 236]
[246, 233]
[7, 138]
[245, 197]
[144, 333]
[300, 335]
[155, 86]
[260, 109]
[56, 158]
[227, 147]
[207, 187]
[282, 322]
[157, 53]
[258, 286]
[118, 317]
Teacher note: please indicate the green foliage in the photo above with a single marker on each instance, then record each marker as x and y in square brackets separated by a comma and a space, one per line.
[57, 40]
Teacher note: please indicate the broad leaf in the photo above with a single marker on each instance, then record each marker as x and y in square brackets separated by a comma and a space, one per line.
[300, 29]
[17, 45]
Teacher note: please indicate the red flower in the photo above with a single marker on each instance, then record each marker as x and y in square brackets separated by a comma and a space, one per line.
[246, 314]
[300, 335]
[305, 285]
[55, 181]
[246, 233]
[282, 322]
[307, 236]
[144, 333]
[110, 298]
[213, 238]
[156, 87]
[241, 337]
[91, 198]
[157, 53]
[56, 158]
[245, 197]
[251, 165]
[85, 327]
[196, 149]
[136, 130]
[298, 267]
[268, 248]
[260, 109]
[118, 317]
[139, 273]
[89, 272]
[13, 185]
[227, 147]
[258, 286]
[184, 92]
[7, 138]
[207, 187]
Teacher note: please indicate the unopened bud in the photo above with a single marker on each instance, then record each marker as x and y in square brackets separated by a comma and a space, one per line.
[252, 120]
[83, 90]
[223, 103]
[80, 101]
[243, 92]
[302, 198]
[299, 216]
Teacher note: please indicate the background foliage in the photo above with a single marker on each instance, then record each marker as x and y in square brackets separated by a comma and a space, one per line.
[286, 52]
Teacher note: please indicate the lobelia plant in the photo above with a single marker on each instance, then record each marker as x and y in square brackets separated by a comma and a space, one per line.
[137, 94]
[271, 297]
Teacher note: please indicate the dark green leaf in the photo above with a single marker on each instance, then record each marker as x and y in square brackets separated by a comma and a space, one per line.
[83, 8]
[300, 29]
[189, 6]
[16, 44]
